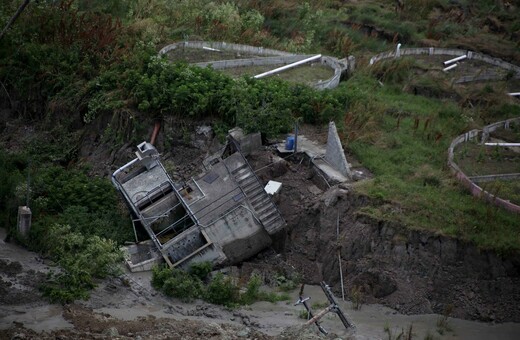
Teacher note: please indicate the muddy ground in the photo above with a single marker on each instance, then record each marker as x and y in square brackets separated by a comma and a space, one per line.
[414, 273]
[128, 308]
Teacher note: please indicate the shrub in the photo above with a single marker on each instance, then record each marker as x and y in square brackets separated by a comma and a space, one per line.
[252, 290]
[222, 291]
[201, 269]
[183, 286]
[81, 259]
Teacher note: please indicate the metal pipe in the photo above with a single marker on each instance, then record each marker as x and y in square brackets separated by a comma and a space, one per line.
[398, 51]
[503, 144]
[451, 61]
[514, 94]
[210, 49]
[155, 132]
[339, 260]
[286, 67]
[450, 67]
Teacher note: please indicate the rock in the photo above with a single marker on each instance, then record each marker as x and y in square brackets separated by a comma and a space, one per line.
[19, 336]
[112, 331]
[314, 190]
[244, 333]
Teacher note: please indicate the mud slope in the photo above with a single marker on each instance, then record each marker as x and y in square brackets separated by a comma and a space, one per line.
[411, 271]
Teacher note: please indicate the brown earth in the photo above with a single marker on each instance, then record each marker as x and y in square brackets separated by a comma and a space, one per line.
[415, 272]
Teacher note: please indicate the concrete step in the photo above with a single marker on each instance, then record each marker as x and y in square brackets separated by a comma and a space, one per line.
[268, 214]
[240, 169]
[260, 209]
[254, 191]
[244, 176]
[250, 185]
[248, 181]
[259, 200]
[274, 225]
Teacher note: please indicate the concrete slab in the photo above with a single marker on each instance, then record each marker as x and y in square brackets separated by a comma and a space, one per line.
[139, 186]
[332, 175]
[317, 154]
[305, 145]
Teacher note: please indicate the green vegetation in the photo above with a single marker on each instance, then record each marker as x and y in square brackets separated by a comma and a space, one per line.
[307, 74]
[220, 289]
[72, 69]
[76, 223]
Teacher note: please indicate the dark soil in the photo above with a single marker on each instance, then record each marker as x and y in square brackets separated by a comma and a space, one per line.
[415, 272]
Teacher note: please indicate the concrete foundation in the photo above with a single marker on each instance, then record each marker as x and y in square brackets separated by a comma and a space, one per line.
[24, 220]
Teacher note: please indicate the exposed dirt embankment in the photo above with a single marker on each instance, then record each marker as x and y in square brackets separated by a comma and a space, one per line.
[411, 271]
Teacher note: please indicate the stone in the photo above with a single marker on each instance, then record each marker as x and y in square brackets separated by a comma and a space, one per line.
[112, 331]
[314, 190]
[244, 333]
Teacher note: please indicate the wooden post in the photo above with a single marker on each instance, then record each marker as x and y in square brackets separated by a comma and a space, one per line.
[318, 316]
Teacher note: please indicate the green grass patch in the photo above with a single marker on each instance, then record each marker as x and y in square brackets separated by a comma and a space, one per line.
[307, 74]
[408, 159]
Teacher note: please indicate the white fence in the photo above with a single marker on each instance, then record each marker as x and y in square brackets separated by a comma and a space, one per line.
[272, 57]
[455, 53]
[471, 183]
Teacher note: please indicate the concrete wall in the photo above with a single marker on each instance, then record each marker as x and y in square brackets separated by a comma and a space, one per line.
[454, 53]
[279, 60]
[225, 46]
[272, 57]
[476, 190]
[239, 234]
[334, 155]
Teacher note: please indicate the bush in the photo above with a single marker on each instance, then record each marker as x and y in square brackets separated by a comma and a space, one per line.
[177, 283]
[222, 291]
[201, 269]
[183, 286]
[252, 290]
[81, 259]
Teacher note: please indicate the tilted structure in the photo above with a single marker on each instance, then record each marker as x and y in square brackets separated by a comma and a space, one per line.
[223, 215]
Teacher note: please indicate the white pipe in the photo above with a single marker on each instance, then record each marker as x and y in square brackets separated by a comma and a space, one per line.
[514, 94]
[210, 49]
[283, 68]
[503, 144]
[398, 51]
[462, 57]
[450, 67]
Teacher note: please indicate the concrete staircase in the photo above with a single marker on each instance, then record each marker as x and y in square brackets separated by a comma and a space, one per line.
[264, 208]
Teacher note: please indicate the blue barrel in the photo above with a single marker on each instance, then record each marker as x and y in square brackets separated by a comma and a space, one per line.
[289, 143]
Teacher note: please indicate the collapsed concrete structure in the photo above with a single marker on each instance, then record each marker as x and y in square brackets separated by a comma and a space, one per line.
[223, 215]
